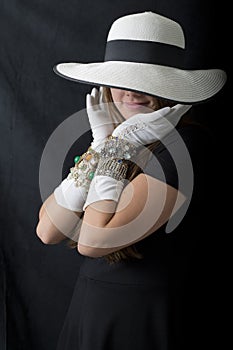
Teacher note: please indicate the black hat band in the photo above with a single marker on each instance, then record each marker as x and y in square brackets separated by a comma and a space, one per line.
[145, 52]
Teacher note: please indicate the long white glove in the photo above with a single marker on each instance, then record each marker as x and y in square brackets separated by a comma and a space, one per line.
[71, 194]
[141, 129]
[99, 118]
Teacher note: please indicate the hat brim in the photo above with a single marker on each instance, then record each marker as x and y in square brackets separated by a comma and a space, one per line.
[184, 86]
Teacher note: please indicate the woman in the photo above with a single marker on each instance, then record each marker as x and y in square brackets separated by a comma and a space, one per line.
[128, 295]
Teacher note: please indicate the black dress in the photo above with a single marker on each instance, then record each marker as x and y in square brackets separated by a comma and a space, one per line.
[152, 303]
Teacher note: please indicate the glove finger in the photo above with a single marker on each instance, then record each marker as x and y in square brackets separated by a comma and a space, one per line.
[101, 95]
[103, 117]
[99, 100]
[88, 101]
[95, 95]
[177, 112]
[155, 115]
[92, 101]
[172, 114]
[93, 92]
[166, 116]
[139, 120]
[96, 117]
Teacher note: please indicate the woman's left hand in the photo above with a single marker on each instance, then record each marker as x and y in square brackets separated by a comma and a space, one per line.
[143, 129]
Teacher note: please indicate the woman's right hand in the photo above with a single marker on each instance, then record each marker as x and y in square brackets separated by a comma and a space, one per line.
[99, 118]
[72, 192]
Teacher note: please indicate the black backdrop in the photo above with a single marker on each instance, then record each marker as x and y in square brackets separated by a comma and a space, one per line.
[36, 280]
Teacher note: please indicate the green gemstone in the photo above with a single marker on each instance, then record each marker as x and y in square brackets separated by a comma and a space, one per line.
[91, 175]
[76, 159]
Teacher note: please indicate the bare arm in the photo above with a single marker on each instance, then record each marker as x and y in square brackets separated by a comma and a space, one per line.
[55, 222]
[145, 205]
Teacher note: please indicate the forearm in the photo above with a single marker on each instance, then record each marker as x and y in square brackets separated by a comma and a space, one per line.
[145, 205]
[100, 213]
[55, 222]
[61, 212]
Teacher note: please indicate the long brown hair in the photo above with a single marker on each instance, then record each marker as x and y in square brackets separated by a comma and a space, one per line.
[130, 252]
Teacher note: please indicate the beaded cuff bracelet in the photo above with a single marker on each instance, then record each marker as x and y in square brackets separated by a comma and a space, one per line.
[84, 169]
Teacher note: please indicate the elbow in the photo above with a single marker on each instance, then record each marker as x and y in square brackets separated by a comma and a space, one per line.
[89, 251]
[40, 230]
[43, 235]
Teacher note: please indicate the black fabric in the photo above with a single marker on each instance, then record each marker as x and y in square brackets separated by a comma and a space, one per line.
[146, 303]
[171, 154]
[142, 324]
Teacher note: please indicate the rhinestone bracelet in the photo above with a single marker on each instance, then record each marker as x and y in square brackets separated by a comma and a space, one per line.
[115, 168]
[118, 148]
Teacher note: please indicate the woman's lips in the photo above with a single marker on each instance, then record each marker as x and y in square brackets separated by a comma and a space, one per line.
[135, 105]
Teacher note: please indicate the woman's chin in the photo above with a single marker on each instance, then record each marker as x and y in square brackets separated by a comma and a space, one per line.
[130, 112]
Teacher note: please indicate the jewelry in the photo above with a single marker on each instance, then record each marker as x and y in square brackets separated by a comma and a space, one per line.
[131, 128]
[84, 169]
[109, 161]
[115, 168]
[118, 148]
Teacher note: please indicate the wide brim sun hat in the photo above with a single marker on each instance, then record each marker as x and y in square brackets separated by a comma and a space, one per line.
[145, 52]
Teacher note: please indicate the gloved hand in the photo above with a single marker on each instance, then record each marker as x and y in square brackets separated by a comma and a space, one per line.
[99, 118]
[72, 192]
[141, 129]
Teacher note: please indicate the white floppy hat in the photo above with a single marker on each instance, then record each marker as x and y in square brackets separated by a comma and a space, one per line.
[145, 52]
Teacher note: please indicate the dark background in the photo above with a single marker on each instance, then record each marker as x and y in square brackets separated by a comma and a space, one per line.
[36, 281]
